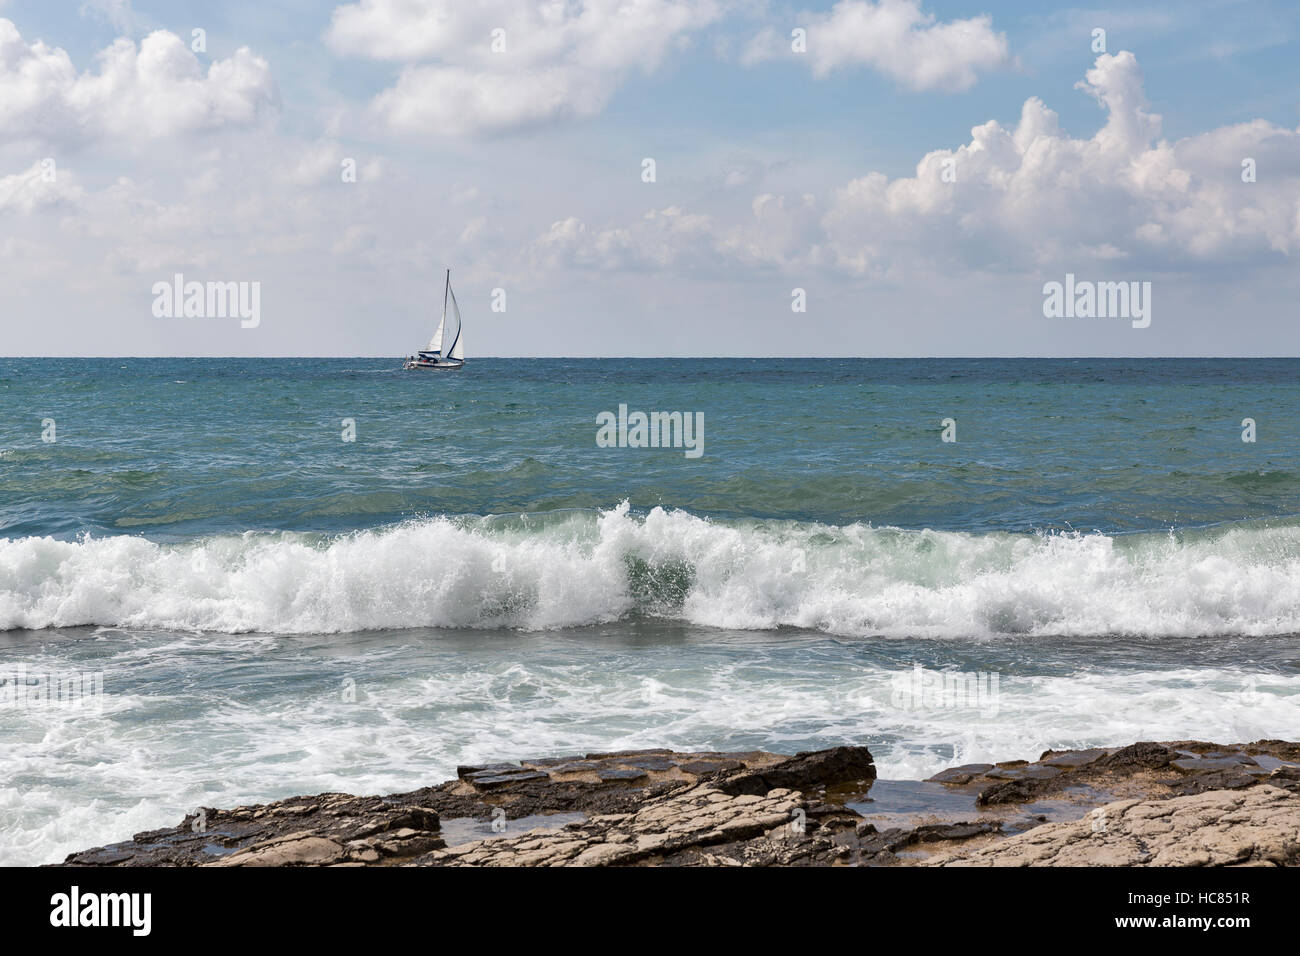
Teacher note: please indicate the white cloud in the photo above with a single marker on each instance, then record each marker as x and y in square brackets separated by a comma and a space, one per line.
[780, 233]
[460, 102]
[1034, 195]
[1023, 198]
[37, 187]
[560, 60]
[661, 239]
[895, 37]
[143, 93]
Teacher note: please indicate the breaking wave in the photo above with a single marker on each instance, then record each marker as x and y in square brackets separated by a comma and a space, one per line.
[581, 568]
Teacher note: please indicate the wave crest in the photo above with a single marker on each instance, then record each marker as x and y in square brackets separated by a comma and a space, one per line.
[541, 572]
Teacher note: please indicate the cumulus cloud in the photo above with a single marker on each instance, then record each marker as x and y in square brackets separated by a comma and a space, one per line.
[1032, 194]
[1009, 200]
[895, 37]
[551, 61]
[149, 92]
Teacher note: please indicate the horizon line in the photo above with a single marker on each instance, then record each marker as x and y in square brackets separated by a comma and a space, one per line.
[690, 358]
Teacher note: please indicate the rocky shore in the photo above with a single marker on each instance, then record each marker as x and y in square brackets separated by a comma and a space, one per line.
[1180, 803]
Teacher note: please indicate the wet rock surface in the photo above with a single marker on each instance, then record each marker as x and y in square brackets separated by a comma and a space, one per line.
[659, 807]
[1159, 770]
[326, 829]
[1253, 827]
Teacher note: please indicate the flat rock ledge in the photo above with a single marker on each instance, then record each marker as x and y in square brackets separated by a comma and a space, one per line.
[701, 826]
[1182, 803]
[1259, 826]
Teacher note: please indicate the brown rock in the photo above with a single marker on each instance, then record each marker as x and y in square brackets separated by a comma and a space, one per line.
[1219, 828]
[293, 850]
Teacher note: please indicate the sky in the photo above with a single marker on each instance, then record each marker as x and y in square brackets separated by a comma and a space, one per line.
[858, 178]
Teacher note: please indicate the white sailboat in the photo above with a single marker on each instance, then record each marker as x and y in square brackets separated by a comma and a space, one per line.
[449, 330]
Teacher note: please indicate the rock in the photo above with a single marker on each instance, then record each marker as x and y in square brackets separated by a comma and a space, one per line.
[1144, 754]
[807, 771]
[1071, 758]
[1119, 771]
[1040, 772]
[1219, 828]
[293, 850]
[1287, 777]
[492, 780]
[1225, 762]
[933, 832]
[417, 818]
[603, 854]
[963, 774]
[612, 775]
[489, 768]
[651, 763]
[700, 767]
[661, 808]
[1012, 791]
[414, 818]
[323, 825]
[623, 754]
[542, 763]
[1234, 779]
[1004, 773]
[689, 825]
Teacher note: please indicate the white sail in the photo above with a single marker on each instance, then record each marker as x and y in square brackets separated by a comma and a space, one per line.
[457, 350]
[435, 343]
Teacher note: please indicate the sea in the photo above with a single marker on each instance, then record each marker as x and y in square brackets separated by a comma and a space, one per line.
[227, 581]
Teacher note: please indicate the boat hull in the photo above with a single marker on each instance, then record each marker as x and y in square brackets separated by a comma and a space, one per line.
[435, 366]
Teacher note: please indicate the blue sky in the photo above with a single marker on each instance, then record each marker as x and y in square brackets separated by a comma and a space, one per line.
[521, 170]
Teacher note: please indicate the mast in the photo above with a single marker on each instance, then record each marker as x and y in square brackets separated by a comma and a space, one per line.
[455, 351]
[435, 343]
[445, 290]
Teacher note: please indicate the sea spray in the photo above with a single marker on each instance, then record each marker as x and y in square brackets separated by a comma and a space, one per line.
[582, 568]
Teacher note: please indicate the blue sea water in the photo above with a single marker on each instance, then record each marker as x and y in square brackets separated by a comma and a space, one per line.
[277, 610]
[181, 447]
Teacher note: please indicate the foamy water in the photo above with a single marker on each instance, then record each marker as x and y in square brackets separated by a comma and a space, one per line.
[192, 720]
[584, 568]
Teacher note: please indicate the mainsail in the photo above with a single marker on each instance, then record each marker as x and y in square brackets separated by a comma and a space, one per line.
[451, 318]
[435, 343]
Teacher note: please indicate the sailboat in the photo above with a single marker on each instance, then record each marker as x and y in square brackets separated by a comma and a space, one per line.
[435, 356]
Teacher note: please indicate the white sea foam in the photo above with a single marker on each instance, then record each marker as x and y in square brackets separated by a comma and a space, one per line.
[199, 738]
[581, 569]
